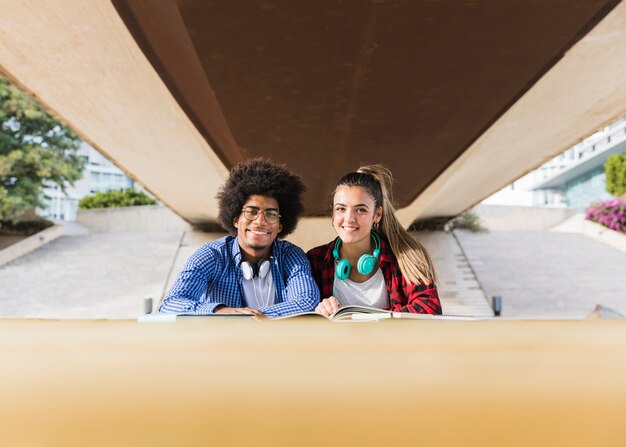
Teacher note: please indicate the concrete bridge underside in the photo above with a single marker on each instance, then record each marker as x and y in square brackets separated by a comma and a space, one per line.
[458, 99]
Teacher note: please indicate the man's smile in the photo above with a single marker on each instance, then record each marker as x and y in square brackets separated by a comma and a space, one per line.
[259, 231]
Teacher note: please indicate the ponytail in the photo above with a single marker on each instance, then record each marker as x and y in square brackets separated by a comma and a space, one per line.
[413, 259]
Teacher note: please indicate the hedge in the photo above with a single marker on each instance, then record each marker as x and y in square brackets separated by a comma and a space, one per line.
[114, 199]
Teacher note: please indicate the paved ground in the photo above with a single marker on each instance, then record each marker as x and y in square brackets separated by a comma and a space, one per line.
[107, 275]
[459, 290]
[88, 275]
[547, 274]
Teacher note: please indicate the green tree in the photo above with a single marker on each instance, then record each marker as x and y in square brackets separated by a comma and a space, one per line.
[615, 174]
[35, 151]
[114, 199]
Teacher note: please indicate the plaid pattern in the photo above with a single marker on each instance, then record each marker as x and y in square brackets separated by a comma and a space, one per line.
[403, 296]
[212, 277]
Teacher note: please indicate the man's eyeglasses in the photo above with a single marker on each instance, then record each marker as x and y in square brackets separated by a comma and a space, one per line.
[251, 213]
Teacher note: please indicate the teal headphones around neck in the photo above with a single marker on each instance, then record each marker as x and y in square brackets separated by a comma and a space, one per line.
[366, 263]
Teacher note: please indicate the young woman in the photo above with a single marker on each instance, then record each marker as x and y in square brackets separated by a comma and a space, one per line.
[374, 261]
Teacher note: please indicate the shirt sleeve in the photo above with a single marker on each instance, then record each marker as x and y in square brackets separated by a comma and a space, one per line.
[301, 292]
[187, 294]
[420, 299]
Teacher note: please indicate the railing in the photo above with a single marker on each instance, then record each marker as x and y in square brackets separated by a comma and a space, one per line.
[599, 142]
[587, 148]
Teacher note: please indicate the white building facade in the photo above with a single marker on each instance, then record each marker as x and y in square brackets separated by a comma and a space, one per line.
[572, 179]
[99, 174]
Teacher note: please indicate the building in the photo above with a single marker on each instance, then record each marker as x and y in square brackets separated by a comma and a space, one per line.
[573, 179]
[99, 174]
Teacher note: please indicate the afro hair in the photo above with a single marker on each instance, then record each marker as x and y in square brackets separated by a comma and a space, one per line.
[258, 176]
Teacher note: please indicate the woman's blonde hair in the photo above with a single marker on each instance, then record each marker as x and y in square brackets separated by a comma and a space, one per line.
[413, 259]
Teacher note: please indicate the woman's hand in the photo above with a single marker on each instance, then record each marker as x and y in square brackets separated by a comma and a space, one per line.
[328, 306]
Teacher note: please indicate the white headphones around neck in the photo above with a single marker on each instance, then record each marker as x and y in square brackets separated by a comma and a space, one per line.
[250, 270]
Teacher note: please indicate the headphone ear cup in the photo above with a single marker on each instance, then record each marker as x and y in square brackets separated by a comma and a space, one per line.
[247, 270]
[342, 269]
[366, 264]
[264, 268]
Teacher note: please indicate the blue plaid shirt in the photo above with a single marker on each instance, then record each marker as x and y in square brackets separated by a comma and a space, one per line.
[212, 277]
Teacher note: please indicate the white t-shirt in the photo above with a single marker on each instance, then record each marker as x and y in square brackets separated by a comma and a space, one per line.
[259, 292]
[371, 293]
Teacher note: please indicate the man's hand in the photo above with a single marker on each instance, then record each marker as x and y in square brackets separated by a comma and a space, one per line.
[239, 310]
[328, 306]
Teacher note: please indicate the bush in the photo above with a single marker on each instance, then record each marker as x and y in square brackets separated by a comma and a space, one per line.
[611, 213]
[615, 169]
[469, 220]
[430, 224]
[23, 228]
[114, 199]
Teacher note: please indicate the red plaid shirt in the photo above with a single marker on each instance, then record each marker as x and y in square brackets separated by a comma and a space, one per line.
[403, 296]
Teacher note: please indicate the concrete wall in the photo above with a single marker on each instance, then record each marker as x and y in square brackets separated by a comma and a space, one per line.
[604, 235]
[521, 218]
[29, 244]
[133, 218]
[312, 231]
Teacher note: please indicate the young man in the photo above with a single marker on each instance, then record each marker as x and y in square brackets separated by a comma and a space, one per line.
[252, 271]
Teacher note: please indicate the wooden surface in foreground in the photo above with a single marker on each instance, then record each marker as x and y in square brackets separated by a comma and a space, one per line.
[224, 382]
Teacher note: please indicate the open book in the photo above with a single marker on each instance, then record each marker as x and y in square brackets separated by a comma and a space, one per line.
[364, 313]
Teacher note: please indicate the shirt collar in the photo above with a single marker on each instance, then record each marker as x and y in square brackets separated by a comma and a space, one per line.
[386, 255]
[235, 250]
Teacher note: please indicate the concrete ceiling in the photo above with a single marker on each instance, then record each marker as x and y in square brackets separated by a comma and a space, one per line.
[456, 98]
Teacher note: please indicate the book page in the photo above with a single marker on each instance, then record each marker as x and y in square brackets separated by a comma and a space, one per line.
[301, 315]
[347, 312]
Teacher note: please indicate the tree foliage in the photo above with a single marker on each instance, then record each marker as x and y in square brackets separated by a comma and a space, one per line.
[615, 172]
[35, 151]
[114, 199]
